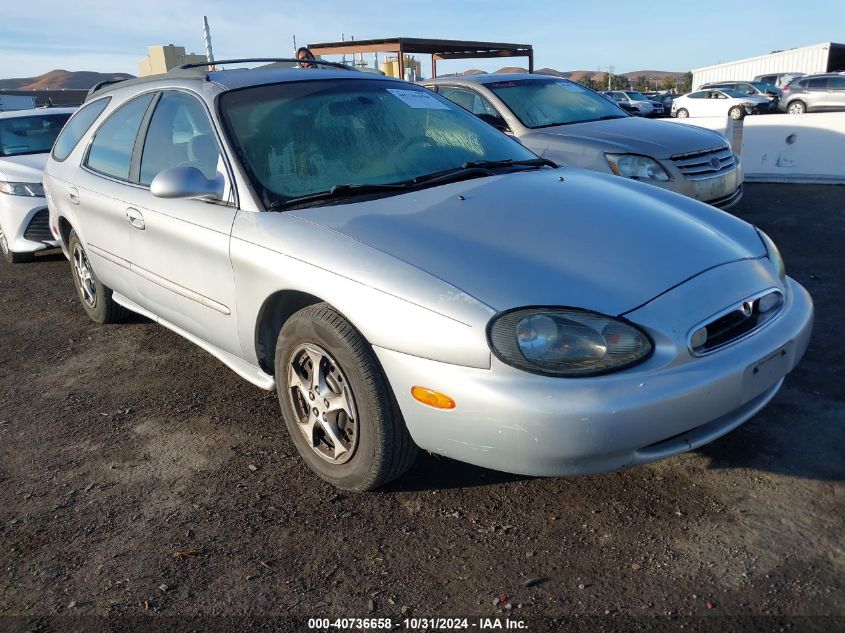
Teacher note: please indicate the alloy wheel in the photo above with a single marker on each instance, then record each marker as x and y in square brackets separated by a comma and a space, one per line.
[84, 276]
[324, 403]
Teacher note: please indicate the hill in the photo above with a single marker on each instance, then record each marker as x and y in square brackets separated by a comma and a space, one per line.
[60, 80]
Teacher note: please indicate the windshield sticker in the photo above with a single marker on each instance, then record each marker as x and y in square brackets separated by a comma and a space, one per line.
[418, 99]
[571, 86]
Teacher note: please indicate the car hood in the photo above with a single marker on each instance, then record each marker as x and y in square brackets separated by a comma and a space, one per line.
[26, 168]
[659, 139]
[589, 240]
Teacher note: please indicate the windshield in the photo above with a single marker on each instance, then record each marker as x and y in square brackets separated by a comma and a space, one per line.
[302, 138]
[541, 102]
[30, 134]
[636, 96]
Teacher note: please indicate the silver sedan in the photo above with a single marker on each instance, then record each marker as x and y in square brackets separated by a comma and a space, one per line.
[405, 276]
[568, 123]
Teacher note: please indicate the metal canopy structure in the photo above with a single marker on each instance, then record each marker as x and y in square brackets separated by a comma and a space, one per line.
[438, 49]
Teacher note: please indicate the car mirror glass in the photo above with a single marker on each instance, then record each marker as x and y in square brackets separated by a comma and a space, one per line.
[186, 182]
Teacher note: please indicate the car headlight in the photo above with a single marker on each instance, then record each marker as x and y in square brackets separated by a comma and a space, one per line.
[566, 341]
[634, 166]
[773, 254]
[22, 188]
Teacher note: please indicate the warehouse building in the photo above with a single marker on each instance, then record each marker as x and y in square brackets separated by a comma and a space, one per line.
[819, 58]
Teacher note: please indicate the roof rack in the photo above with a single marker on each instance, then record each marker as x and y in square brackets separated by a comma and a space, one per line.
[101, 84]
[270, 60]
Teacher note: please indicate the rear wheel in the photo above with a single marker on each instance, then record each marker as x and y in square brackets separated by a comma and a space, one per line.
[737, 113]
[337, 405]
[682, 113]
[9, 256]
[796, 107]
[96, 298]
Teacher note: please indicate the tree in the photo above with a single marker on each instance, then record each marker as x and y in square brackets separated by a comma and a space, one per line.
[619, 82]
[589, 83]
[686, 85]
[668, 83]
[641, 84]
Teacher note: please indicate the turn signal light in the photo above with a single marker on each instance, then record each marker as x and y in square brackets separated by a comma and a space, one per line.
[432, 398]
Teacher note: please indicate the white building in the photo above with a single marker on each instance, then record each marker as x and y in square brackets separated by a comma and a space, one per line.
[819, 58]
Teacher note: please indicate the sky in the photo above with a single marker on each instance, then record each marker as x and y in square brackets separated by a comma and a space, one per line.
[37, 36]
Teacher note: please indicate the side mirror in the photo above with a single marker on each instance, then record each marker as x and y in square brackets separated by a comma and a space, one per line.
[186, 182]
[495, 121]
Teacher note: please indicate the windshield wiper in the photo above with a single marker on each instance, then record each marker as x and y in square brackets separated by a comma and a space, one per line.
[509, 162]
[340, 191]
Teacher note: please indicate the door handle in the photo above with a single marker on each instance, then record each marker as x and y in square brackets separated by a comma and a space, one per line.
[73, 195]
[135, 218]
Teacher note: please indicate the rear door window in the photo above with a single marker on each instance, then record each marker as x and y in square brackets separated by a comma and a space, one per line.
[111, 150]
[820, 83]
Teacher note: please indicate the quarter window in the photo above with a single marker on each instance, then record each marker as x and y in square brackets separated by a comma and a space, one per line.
[77, 127]
[111, 149]
[474, 102]
[179, 134]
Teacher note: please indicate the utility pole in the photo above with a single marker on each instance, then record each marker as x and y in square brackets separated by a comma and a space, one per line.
[610, 70]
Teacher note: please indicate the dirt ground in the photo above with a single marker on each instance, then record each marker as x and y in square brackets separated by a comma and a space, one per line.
[143, 485]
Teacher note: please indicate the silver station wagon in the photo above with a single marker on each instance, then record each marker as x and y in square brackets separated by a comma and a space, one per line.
[405, 276]
[572, 125]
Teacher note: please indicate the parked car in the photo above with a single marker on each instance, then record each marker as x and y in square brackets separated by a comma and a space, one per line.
[404, 276]
[624, 105]
[767, 91]
[664, 98]
[633, 99]
[26, 137]
[814, 93]
[572, 125]
[777, 79]
[723, 102]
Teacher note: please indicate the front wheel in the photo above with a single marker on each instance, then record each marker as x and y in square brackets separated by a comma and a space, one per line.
[9, 256]
[796, 107]
[682, 113]
[736, 113]
[95, 298]
[337, 405]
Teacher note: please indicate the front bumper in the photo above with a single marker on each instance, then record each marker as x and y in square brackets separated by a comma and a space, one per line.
[24, 222]
[721, 190]
[512, 421]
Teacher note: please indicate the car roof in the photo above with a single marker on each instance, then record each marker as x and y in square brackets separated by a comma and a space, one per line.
[490, 78]
[235, 78]
[11, 114]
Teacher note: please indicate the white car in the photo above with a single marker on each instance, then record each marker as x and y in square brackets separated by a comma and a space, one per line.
[726, 102]
[26, 137]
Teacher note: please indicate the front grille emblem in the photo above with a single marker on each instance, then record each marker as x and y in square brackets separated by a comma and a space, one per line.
[714, 163]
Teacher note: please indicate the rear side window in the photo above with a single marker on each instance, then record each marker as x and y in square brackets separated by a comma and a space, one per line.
[76, 128]
[817, 84]
[111, 149]
[836, 83]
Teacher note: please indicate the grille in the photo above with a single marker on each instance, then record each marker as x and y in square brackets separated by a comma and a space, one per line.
[735, 323]
[705, 164]
[39, 227]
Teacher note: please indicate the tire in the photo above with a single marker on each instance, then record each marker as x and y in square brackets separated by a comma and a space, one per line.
[359, 442]
[96, 299]
[9, 256]
[682, 113]
[736, 113]
[796, 107]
